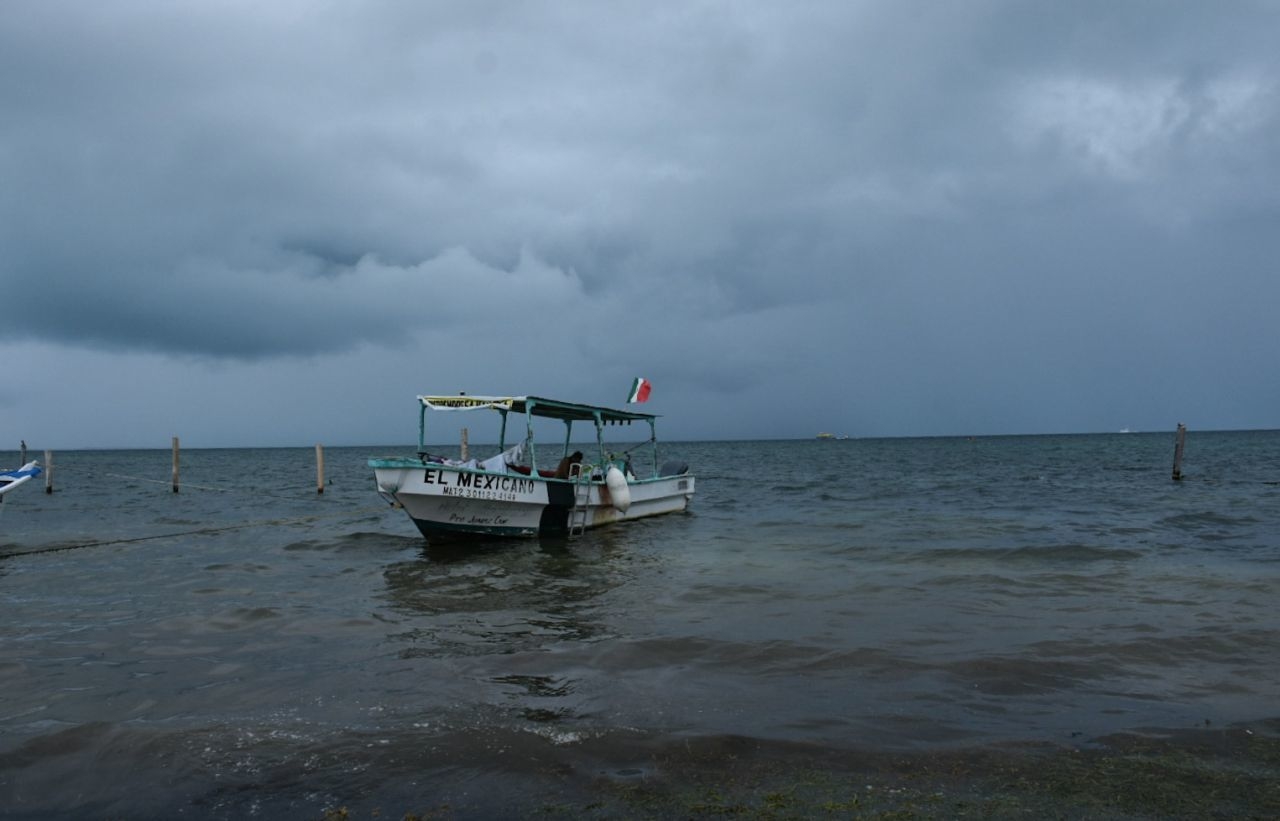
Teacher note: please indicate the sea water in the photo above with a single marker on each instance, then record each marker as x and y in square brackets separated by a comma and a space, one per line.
[249, 646]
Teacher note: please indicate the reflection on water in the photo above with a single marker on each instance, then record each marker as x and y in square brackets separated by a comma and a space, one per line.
[503, 607]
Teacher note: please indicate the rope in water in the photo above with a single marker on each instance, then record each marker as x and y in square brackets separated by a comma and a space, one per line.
[349, 508]
[202, 531]
[254, 493]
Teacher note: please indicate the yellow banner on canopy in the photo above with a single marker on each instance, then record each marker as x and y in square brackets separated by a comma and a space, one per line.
[466, 402]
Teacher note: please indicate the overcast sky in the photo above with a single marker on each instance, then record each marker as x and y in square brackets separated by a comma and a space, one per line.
[251, 223]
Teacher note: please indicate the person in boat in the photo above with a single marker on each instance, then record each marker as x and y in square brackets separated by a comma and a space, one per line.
[562, 470]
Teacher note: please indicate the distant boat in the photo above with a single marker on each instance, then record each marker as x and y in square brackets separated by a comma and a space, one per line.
[510, 494]
[12, 479]
[832, 436]
[1126, 430]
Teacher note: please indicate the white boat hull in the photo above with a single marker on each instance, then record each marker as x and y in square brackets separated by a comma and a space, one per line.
[13, 479]
[443, 500]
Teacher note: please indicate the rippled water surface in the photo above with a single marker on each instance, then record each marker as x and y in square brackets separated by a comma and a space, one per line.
[248, 646]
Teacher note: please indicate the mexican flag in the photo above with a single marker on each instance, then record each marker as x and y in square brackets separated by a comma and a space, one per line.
[639, 391]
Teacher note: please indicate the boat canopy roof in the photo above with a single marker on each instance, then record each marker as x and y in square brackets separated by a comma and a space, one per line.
[535, 406]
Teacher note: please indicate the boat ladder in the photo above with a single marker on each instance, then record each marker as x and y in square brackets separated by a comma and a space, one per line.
[581, 500]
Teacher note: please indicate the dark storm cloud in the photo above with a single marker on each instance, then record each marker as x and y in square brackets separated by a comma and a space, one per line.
[1025, 197]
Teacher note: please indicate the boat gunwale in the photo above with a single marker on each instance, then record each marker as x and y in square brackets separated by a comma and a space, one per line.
[409, 462]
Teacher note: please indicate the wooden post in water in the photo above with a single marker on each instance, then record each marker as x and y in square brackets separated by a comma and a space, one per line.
[175, 464]
[48, 471]
[1179, 443]
[319, 468]
[464, 444]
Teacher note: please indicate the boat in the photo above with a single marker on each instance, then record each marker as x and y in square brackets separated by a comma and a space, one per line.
[512, 494]
[13, 479]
